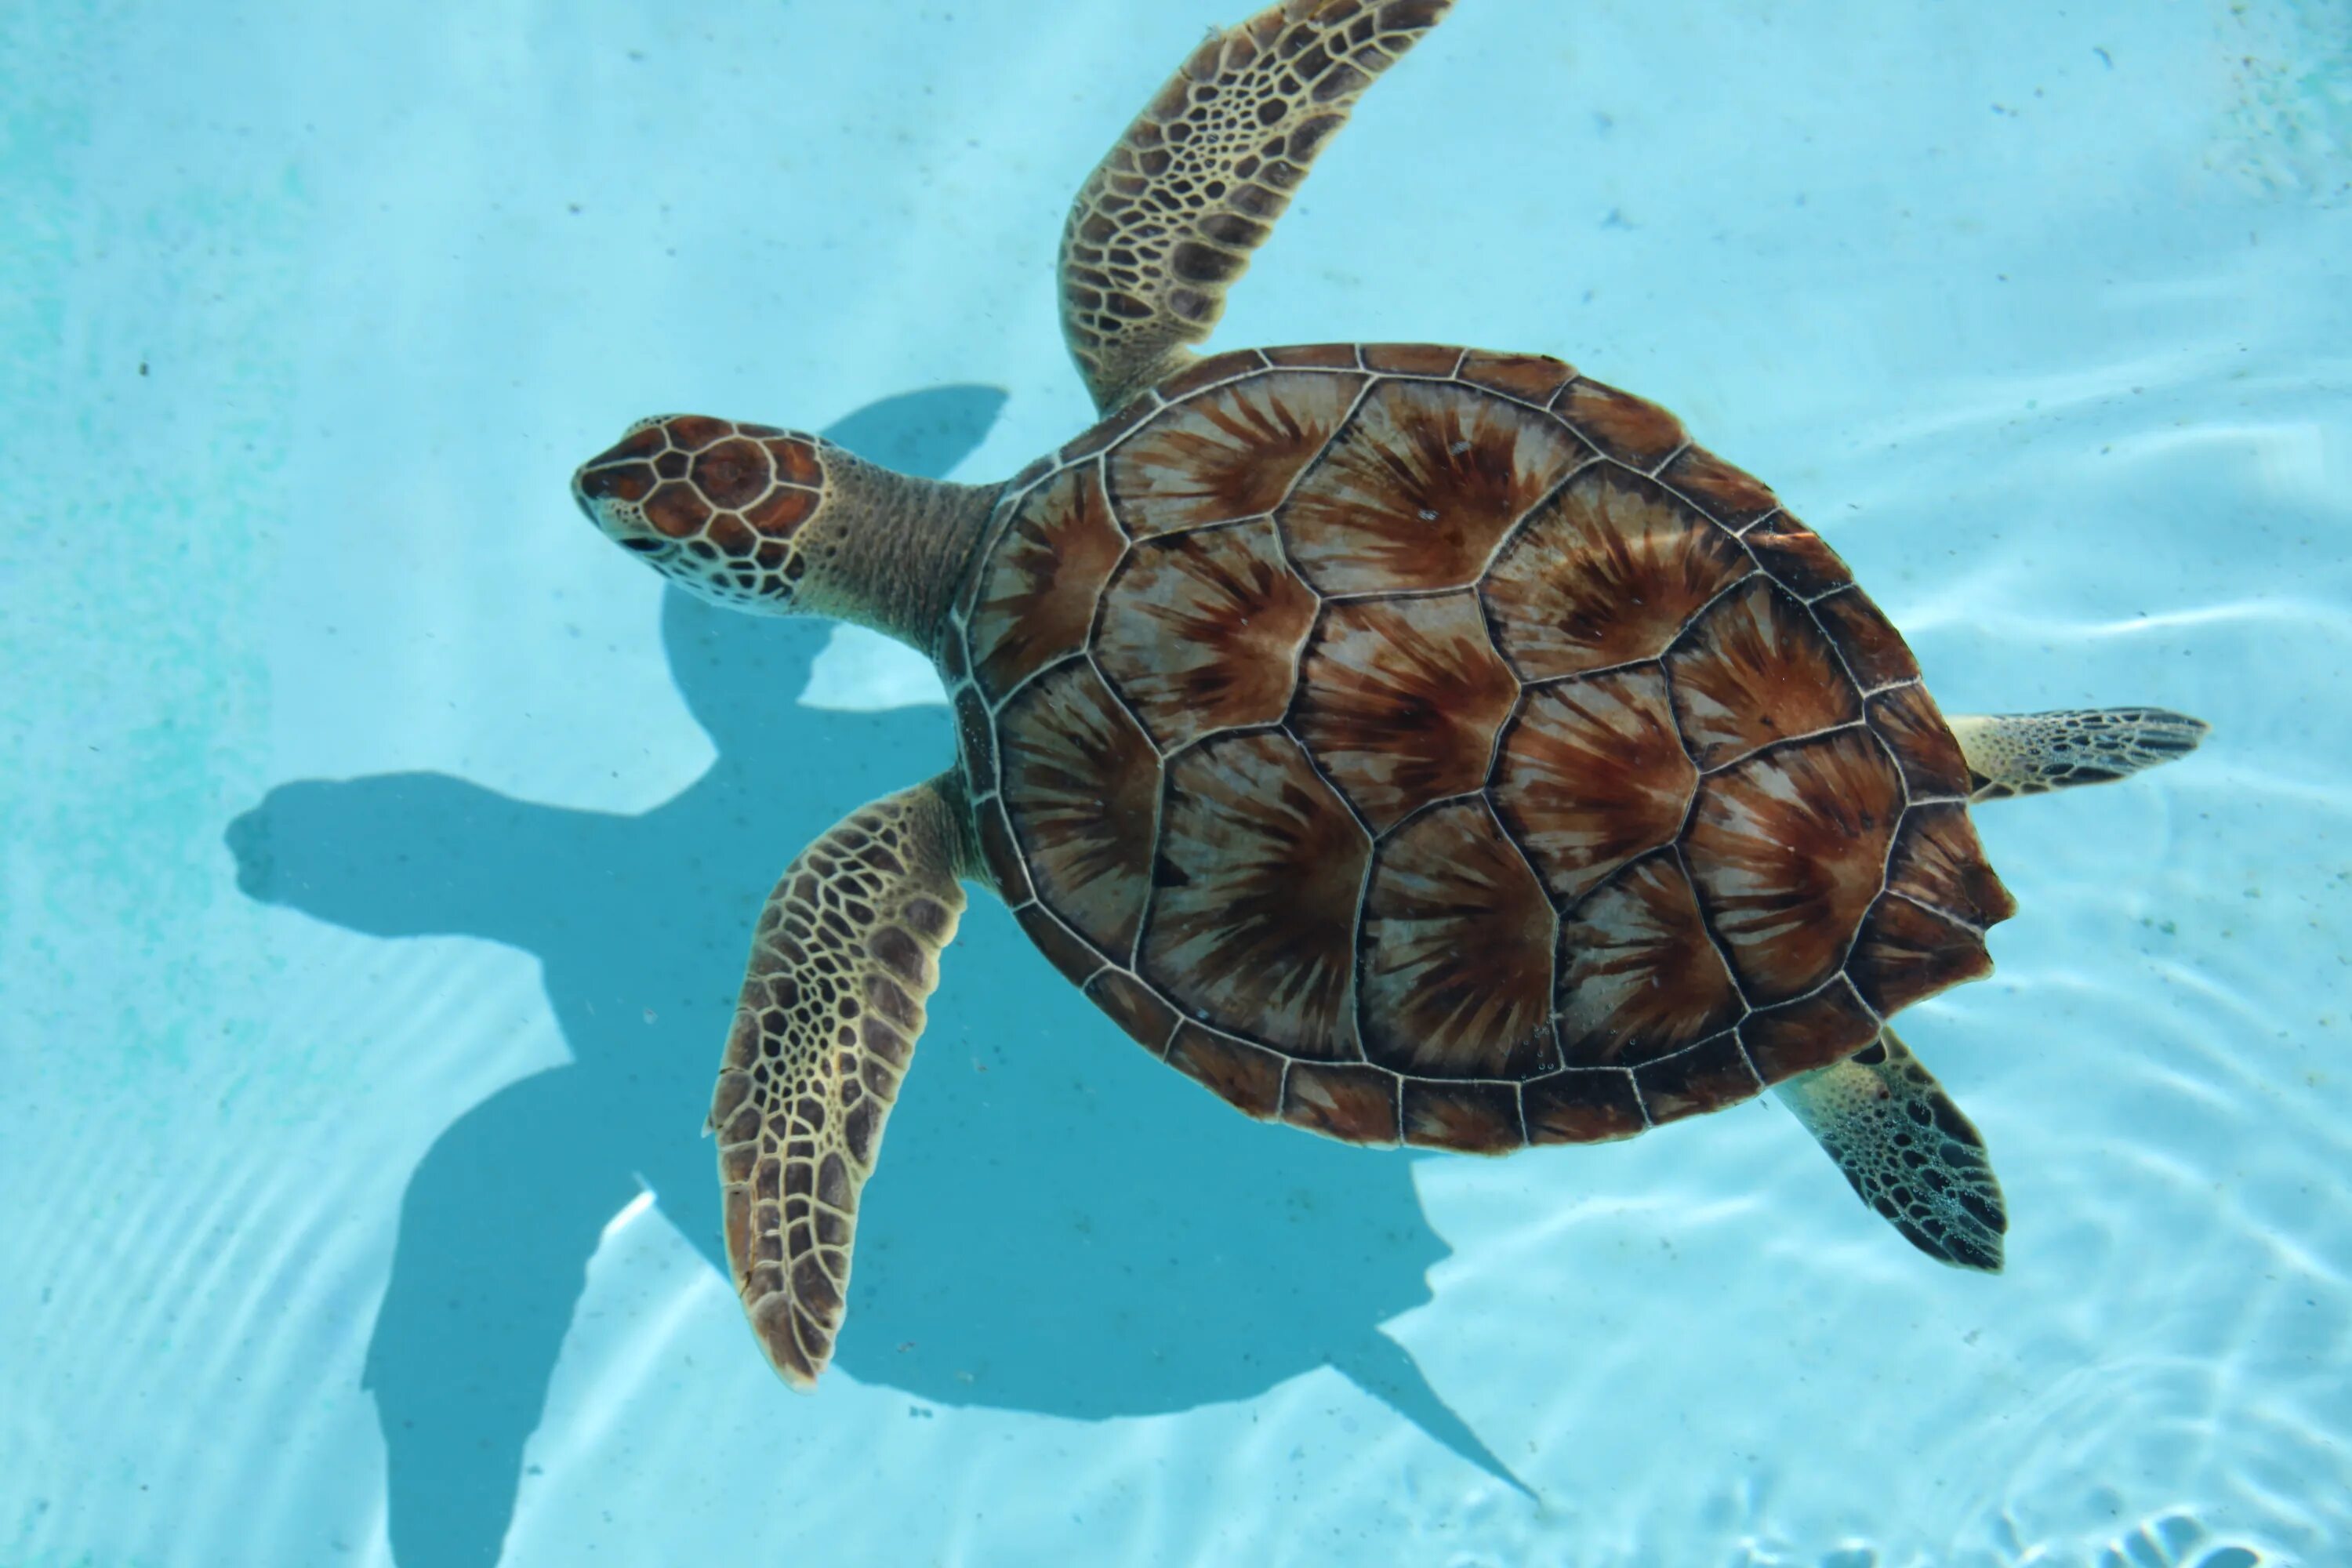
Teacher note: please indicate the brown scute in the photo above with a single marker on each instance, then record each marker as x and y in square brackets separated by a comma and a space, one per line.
[617, 481]
[1078, 963]
[796, 461]
[692, 432]
[1229, 453]
[1418, 488]
[781, 514]
[1319, 356]
[1042, 579]
[1253, 924]
[1710, 1075]
[1593, 774]
[1411, 359]
[732, 472]
[1906, 952]
[1788, 850]
[1638, 977]
[1399, 698]
[1208, 372]
[1583, 1105]
[1730, 495]
[1248, 1076]
[1873, 649]
[1353, 1104]
[1633, 430]
[1134, 1008]
[1469, 1118]
[1458, 951]
[642, 442]
[1117, 423]
[730, 532]
[1906, 718]
[676, 509]
[1608, 571]
[1082, 788]
[1796, 556]
[1754, 668]
[1811, 1031]
[1939, 862]
[1531, 378]
[1201, 631]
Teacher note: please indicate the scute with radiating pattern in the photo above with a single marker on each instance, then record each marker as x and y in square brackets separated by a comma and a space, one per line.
[1429, 746]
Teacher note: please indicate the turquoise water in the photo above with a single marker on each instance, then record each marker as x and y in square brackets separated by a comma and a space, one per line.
[380, 842]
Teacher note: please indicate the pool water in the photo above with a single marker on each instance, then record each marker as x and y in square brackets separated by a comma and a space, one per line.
[381, 843]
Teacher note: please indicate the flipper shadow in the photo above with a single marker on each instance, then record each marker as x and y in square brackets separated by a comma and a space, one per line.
[1059, 1224]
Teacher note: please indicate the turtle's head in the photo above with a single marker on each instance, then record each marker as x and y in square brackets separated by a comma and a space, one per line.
[718, 507]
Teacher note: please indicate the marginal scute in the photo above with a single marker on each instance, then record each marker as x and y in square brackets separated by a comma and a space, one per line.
[1248, 1076]
[1134, 1008]
[1457, 950]
[1254, 918]
[1811, 1031]
[1796, 556]
[1631, 430]
[1906, 718]
[1201, 631]
[1078, 963]
[1042, 580]
[1754, 669]
[1399, 701]
[1228, 453]
[1593, 774]
[1638, 977]
[1939, 862]
[1411, 359]
[1322, 356]
[1581, 1105]
[1608, 571]
[1707, 1076]
[1906, 952]
[1419, 486]
[1732, 497]
[1082, 787]
[1532, 378]
[1873, 649]
[1209, 371]
[1469, 1118]
[1353, 1104]
[1786, 850]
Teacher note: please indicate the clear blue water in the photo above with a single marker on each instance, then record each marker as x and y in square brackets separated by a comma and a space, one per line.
[379, 842]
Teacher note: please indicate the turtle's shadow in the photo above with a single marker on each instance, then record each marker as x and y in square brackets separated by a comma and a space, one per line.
[1059, 1225]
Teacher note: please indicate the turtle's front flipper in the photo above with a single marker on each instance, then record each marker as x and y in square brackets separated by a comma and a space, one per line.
[846, 951]
[1169, 220]
[2011, 755]
[1907, 1151]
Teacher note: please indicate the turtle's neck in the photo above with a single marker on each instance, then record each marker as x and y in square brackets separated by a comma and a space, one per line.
[890, 550]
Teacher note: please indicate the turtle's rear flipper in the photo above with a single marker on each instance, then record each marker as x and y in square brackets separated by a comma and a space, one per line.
[1169, 220]
[846, 951]
[2011, 755]
[1908, 1149]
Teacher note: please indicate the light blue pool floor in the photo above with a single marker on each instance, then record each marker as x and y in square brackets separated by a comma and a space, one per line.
[381, 843]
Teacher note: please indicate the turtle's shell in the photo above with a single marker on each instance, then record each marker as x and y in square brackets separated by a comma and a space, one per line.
[1429, 745]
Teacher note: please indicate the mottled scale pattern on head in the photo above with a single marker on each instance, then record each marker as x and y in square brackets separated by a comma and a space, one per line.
[715, 501]
[1413, 744]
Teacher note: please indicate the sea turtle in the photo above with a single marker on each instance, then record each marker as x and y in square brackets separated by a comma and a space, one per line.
[1410, 743]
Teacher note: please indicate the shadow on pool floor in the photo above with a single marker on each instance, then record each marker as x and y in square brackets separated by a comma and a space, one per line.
[1058, 1225]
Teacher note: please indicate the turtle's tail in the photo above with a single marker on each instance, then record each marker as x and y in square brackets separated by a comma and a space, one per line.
[1386, 1370]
